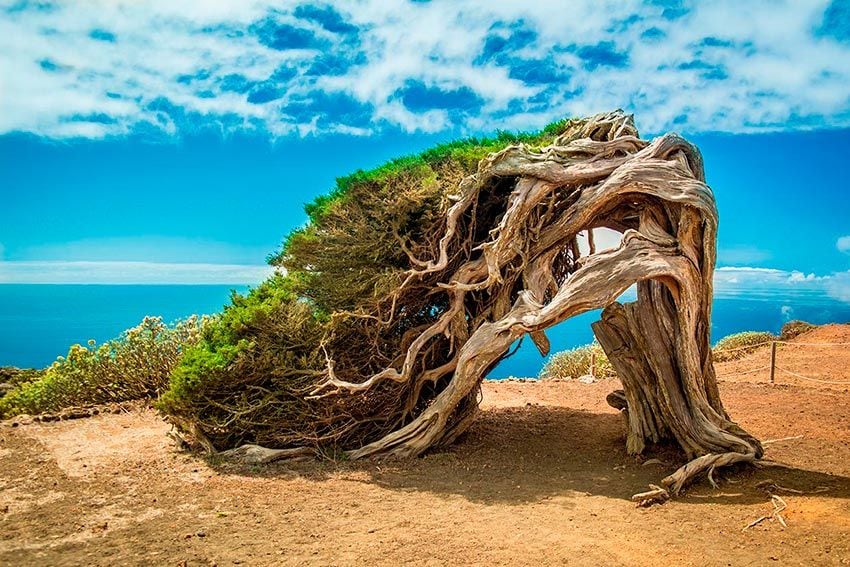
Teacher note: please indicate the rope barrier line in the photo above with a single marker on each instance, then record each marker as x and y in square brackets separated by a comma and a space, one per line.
[811, 379]
[748, 347]
[746, 371]
[776, 366]
[810, 344]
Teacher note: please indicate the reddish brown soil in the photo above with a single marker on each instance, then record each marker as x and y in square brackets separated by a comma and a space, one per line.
[818, 358]
[541, 478]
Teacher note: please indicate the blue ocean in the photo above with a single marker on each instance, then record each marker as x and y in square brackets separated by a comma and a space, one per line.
[39, 322]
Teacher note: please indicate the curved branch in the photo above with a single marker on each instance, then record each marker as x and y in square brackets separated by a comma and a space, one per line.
[505, 262]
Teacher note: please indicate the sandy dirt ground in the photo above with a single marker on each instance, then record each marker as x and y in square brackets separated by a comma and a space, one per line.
[819, 358]
[541, 478]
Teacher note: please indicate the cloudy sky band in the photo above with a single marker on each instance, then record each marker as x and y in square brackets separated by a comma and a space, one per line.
[285, 68]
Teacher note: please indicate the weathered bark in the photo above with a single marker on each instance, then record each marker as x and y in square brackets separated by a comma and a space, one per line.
[528, 275]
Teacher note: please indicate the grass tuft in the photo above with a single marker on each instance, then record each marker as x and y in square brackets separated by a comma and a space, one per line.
[738, 345]
[573, 363]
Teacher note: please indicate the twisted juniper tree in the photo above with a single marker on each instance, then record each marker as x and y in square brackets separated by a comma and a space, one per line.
[411, 282]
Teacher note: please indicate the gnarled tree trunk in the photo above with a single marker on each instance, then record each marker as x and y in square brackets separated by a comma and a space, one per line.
[527, 274]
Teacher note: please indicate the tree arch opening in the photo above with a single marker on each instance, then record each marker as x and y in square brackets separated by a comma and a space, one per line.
[402, 295]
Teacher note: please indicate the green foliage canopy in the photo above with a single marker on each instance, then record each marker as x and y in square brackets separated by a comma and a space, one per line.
[250, 376]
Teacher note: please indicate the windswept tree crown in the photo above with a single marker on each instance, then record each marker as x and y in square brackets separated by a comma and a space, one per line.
[410, 282]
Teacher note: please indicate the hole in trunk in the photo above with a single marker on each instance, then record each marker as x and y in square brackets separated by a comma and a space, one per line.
[526, 362]
[603, 238]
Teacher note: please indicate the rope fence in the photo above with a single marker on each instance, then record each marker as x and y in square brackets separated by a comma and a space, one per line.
[807, 344]
[801, 377]
[759, 369]
[747, 347]
[772, 367]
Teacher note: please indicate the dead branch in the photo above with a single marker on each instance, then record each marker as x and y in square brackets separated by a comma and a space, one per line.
[405, 293]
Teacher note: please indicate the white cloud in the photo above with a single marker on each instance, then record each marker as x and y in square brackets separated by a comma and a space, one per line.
[843, 244]
[60, 272]
[801, 277]
[838, 286]
[735, 67]
[156, 249]
[780, 285]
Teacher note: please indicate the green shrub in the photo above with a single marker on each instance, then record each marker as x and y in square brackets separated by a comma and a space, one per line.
[135, 365]
[253, 361]
[11, 376]
[573, 363]
[736, 346]
[793, 329]
[576, 362]
[250, 378]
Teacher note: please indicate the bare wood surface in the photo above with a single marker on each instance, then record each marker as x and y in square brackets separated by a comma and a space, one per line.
[527, 275]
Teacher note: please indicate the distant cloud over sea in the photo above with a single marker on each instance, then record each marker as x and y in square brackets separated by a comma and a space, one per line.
[61, 272]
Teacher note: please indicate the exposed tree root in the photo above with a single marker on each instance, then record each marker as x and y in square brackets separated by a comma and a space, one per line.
[256, 455]
[655, 495]
[502, 261]
[707, 464]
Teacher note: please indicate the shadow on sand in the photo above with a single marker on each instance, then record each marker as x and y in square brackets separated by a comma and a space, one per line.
[521, 455]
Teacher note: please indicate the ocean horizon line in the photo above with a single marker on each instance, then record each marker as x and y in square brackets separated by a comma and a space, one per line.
[139, 284]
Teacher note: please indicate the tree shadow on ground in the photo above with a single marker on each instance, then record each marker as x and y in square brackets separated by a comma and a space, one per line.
[521, 455]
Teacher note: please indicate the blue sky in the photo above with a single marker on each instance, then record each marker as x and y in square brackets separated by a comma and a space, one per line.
[160, 141]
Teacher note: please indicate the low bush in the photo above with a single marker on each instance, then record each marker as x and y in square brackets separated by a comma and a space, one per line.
[576, 362]
[253, 376]
[266, 346]
[136, 365]
[793, 329]
[573, 363]
[11, 377]
[736, 346]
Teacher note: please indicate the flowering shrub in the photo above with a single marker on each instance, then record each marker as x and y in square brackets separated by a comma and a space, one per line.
[735, 346]
[134, 366]
[575, 362]
[793, 329]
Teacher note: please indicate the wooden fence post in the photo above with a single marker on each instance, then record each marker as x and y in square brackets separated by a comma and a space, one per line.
[772, 361]
[593, 364]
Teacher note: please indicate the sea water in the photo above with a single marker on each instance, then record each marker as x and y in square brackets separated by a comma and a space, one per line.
[39, 322]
